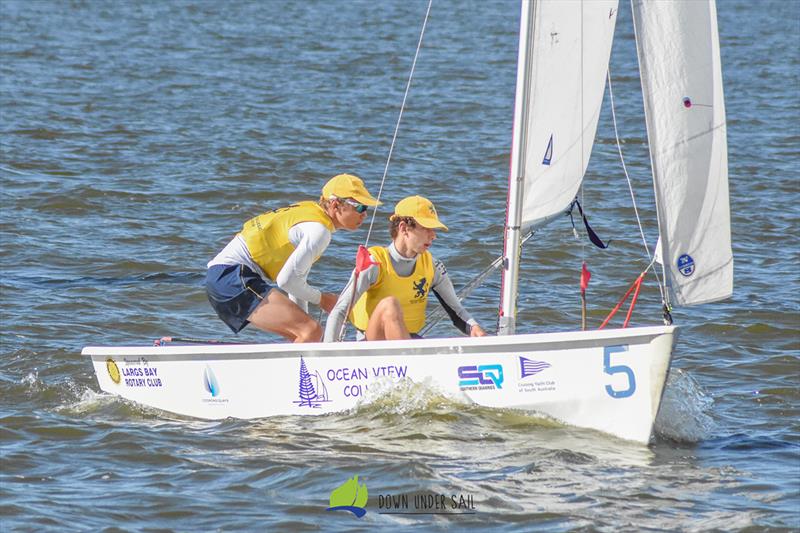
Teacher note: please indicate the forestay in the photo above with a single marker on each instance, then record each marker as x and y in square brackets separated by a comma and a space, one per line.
[679, 60]
[570, 46]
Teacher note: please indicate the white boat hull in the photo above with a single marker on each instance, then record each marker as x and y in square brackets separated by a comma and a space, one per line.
[610, 380]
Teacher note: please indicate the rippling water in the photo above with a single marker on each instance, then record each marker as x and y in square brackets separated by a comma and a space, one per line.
[136, 138]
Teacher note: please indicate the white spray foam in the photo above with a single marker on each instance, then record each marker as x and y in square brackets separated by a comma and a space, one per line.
[684, 414]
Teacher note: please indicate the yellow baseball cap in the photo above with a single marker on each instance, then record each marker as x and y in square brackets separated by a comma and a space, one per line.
[348, 186]
[420, 209]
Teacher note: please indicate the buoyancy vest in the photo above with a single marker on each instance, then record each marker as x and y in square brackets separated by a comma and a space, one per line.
[267, 235]
[411, 291]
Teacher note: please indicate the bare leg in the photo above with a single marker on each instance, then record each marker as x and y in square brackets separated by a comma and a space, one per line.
[278, 314]
[386, 322]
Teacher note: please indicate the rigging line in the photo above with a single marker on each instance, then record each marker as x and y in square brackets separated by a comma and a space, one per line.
[583, 130]
[399, 117]
[439, 313]
[163, 341]
[635, 287]
[630, 186]
[643, 68]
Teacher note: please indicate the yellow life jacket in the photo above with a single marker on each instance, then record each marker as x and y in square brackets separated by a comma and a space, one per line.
[267, 235]
[411, 291]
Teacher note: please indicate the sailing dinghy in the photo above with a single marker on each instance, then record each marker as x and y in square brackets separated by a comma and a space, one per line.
[610, 380]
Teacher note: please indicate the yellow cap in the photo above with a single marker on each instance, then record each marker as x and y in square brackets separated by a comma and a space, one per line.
[420, 209]
[348, 186]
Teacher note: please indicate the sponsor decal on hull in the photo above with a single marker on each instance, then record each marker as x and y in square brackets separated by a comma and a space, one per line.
[212, 388]
[356, 380]
[530, 379]
[312, 391]
[480, 377]
[139, 373]
[113, 370]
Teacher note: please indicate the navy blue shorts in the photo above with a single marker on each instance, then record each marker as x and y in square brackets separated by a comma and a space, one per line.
[234, 292]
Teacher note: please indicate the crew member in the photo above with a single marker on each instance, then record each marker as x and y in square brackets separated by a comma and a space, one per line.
[391, 295]
[275, 250]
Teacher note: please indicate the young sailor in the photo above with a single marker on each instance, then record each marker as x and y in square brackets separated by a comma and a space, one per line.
[279, 247]
[392, 294]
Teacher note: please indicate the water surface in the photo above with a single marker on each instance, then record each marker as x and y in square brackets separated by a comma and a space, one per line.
[135, 138]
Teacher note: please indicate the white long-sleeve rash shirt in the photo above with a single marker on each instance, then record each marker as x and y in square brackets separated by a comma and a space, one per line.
[310, 240]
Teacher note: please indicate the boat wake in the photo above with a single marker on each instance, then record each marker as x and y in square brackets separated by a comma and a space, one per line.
[90, 403]
[408, 398]
[404, 397]
[684, 414]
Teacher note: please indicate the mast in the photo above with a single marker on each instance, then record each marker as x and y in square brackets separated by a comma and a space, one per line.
[506, 324]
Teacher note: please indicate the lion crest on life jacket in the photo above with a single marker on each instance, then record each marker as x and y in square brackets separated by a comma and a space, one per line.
[420, 288]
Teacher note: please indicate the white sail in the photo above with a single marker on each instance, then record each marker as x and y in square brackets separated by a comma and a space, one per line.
[570, 45]
[679, 60]
[564, 48]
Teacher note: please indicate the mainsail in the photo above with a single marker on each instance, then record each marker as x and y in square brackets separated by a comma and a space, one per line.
[564, 48]
[570, 46]
[679, 61]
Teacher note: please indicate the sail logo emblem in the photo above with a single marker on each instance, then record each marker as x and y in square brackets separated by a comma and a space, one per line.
[312, 390]
[548, 152]
[480, 377]
[350, 496]
[210, 382]
[529, 367]
[686, 265]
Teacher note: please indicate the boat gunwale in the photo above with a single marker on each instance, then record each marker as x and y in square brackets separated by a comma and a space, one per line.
[430, 346]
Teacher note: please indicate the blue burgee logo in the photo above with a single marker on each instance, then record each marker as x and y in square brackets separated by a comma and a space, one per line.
[686, 265]
[529, 367]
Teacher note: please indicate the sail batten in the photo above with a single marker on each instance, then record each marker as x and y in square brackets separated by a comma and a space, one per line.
[679, 59]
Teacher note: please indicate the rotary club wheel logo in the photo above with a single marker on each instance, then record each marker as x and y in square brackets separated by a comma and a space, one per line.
[113, 370]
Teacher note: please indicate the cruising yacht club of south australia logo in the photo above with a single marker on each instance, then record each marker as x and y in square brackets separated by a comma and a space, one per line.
[529, 368]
